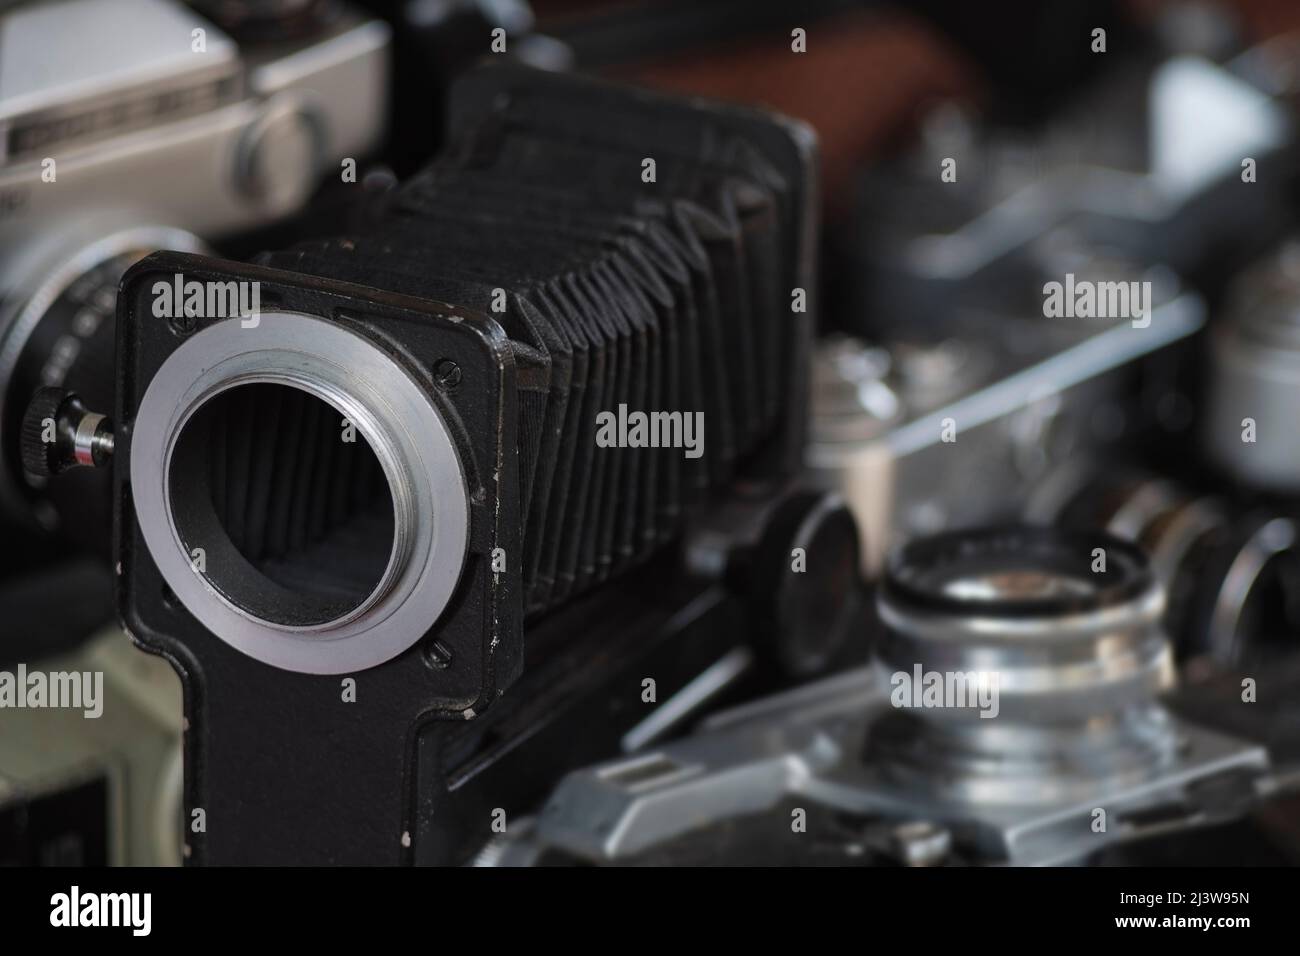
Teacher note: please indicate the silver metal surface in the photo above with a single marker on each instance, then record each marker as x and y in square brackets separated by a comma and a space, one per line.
[83, 446]
[806, 745]
[879, 443]
[1255, 377]
[691, 698]
[1075, 691]
[275, 152]
[65, 65]
[1134, 157]
[1205, 551]
[93, 78]
[920, 843]
[1079, 736]
[185, 170]
[404, 429]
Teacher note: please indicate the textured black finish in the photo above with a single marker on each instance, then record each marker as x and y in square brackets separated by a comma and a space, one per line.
[278, 762]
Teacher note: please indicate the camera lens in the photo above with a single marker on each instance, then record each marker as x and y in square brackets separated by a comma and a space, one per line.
[70, 341]
[1058, 632]
[1230, 574]
[1017, 574]
[282, 504]
[1249, 606]
[59, 332]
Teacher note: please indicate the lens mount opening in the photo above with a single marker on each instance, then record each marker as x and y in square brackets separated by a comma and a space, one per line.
[280, 499]
[347, 374]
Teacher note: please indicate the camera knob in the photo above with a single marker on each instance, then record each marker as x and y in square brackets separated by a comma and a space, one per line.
[60, 433]
[277, 157]
[805, 584]
[796, 563]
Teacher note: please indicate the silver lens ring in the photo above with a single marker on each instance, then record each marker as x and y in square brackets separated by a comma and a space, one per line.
[1068, 654]
[1091, 642]
[405, 431]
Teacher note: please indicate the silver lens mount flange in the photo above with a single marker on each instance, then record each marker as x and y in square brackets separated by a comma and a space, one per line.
[404, 429]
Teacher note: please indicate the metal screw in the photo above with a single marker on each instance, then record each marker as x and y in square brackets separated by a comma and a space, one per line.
[446, 374]
[183, 324]
[437, 655]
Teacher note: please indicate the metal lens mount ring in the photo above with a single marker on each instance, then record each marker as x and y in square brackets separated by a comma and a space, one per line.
[404, 430]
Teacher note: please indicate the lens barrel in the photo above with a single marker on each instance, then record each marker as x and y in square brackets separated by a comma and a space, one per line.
[1058, 631]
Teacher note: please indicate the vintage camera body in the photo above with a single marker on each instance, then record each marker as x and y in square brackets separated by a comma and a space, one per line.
[133, 125]
[965, 404]
[475, 334]
[964, 398]
[1222, 526]
[96, 792]
[362, 508]
[895, 764]
[128, 126]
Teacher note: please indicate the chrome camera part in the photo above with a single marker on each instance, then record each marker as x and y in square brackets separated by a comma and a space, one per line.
[128, 126]
[60, 335]
[1254, 358]
[1067, 630]
[1080, 734]
[1231, 569]
[392, 524]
